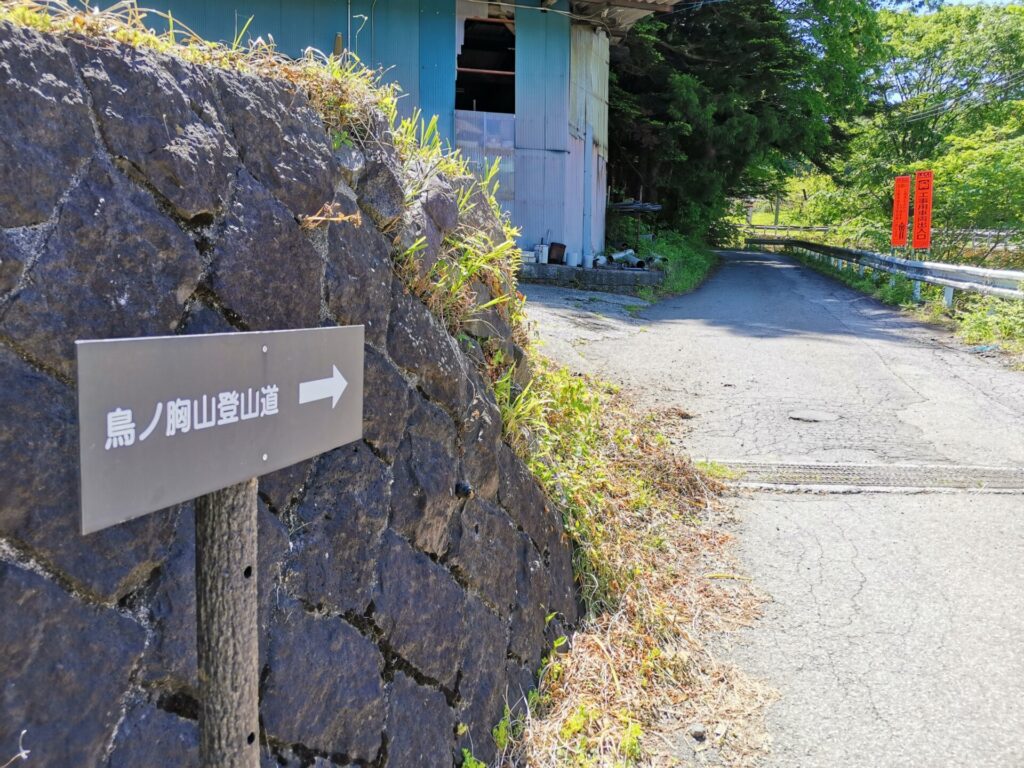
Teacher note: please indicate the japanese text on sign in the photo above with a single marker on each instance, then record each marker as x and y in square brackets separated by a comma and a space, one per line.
[900, 210]
[166, 419]
[923, 184]
[184, 415]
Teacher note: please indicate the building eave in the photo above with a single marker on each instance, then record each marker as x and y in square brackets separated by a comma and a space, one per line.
[617, 16]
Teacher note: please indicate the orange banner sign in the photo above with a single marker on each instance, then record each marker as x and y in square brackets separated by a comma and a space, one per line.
[900, 210]
[923, 184]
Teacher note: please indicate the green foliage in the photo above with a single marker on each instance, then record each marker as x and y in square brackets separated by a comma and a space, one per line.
[686, 263]
[554, 425]
[471, 259]
[424, 154]
[717, 470]
[577, 722]
[508, 729]
[501, 731]
[522, 411]
[468, 761]
[630, 744]
[988, 319]
[947, 94]
[341, 139]
[718, 101]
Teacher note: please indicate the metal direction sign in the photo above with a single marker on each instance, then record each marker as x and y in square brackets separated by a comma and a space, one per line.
[923, 184]
[166, 419]
[900, 210]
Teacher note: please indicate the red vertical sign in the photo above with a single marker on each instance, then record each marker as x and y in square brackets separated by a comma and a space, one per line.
[923, 183]
[900, 210]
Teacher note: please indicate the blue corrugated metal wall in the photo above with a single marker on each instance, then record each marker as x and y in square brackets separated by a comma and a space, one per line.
[437, 64]
[385, 34]
[293, 25]
[542, 77]
[413, 40]
[543, 194]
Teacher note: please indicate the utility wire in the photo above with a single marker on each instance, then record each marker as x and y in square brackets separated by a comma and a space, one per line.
[1007, 84]
[949, 104]
[690, 5]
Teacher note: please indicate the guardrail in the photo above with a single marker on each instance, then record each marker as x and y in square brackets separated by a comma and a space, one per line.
[992, 239]
[785, 228]
[1005, 283]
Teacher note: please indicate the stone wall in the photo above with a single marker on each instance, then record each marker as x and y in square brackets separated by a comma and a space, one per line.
[404, 580]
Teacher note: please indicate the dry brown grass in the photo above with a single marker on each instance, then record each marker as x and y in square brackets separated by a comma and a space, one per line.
[330, 213]
[639, 671]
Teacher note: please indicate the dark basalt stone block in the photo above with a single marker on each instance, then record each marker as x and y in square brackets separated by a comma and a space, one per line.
[421, 726]
[265, 269]
[419, 608]
[44, 123]
[65, 667]
[114, 266]
[324, 688]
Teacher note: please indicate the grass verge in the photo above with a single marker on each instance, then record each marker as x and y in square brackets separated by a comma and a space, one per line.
[686, 263]
[976, 319]
[656, 579]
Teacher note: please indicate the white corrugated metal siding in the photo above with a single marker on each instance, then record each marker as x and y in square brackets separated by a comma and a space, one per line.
[588, 84]
[574, 195]
[484, 136]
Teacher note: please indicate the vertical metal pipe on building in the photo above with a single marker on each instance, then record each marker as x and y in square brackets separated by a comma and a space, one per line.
[588, 190]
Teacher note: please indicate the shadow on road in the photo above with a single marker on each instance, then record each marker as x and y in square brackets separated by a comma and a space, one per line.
[752, 294]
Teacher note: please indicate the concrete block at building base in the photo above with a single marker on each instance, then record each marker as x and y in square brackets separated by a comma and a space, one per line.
[615, 280]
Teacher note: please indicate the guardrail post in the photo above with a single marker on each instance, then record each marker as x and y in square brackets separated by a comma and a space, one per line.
[947, 297]
[917, 291]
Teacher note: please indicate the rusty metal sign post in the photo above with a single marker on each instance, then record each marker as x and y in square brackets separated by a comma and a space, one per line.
[168, 419]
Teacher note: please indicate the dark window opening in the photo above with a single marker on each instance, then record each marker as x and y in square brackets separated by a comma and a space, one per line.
[486, 74]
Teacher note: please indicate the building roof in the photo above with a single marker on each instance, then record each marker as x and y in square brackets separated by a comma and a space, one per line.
[617, 16]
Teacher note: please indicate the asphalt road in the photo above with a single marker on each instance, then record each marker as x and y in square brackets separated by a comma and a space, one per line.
[894, 631]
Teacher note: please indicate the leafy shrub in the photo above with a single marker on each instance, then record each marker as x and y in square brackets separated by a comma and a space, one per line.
[686, 262]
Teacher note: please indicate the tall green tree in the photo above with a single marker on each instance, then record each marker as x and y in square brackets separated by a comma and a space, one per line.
[947, 93]
[708, 103]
